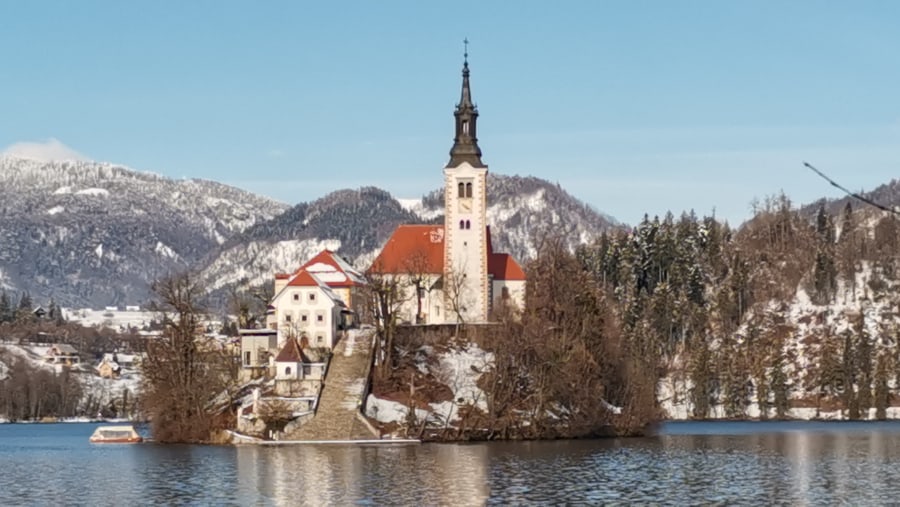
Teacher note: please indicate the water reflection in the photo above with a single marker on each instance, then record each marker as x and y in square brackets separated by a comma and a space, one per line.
[331, 475]
[687, 464]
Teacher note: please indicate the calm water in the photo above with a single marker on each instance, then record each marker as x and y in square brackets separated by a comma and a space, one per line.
[795, 463]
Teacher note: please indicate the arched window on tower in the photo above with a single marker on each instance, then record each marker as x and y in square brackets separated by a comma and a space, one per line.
[468, 190]
[462, 224]
[462, 189]
[468, 225]
[465, 127]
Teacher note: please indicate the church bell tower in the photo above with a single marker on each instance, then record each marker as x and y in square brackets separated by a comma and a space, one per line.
[466, 279]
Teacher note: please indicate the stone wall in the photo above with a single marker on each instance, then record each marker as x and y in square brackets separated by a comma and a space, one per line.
[414, 336]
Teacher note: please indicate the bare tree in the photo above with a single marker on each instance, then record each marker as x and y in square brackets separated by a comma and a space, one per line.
[184, 372]
[386, 295]
[419, 279]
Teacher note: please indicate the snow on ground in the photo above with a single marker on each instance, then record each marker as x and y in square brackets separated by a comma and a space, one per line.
[350, 343]
[353, 394]
[458, 369]
[109, 318]
[100, 192]
[104, 391]
[387, 411]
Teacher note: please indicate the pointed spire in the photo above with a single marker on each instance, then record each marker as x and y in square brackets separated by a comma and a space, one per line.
[465, 144]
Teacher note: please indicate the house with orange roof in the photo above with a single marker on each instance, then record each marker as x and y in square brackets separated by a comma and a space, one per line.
[335, 272]
[450, 273]
[305, 306]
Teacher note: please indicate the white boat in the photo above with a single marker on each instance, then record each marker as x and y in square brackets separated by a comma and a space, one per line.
[124, 434]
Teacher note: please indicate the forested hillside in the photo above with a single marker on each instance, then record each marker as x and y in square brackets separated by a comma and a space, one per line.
[783, 316]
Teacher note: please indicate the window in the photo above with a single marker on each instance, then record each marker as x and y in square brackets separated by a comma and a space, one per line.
[468, 225]
[288, 317]
[247, 358]
[303, 317]
[462, 190]
[320, 318]
[320, 340]
[504, 293]
[287, 370]
[462, 224]
[465, 127]
[296, 297]
[307, 370]
[312, 296]
[468, 190]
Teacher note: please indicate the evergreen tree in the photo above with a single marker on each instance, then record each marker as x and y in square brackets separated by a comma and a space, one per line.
[825, 270]
[6, 312]
[25, 309]
[864, 367]
[779, 386]
[702, 381]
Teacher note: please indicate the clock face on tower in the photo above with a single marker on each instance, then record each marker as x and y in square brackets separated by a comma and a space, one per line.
[465, 205]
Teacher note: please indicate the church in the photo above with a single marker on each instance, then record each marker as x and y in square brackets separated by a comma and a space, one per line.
[450, 272]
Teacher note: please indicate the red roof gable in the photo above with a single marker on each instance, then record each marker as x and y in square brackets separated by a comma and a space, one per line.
[332, 270]
[291, 353]
[503, 267]
[412, 248]
[303, 279]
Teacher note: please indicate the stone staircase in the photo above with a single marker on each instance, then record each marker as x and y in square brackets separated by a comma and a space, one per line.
[337, 416]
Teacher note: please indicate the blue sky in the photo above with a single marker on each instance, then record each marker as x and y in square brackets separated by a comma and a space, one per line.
[635, 107]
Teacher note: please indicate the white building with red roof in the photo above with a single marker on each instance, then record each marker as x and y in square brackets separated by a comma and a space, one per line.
[335, 272]
[305, 306]
[450, 272]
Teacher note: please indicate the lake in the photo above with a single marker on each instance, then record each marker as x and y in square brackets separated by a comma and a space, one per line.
[709, 463]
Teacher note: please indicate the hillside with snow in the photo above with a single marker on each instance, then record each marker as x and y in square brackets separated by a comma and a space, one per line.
[97, 234]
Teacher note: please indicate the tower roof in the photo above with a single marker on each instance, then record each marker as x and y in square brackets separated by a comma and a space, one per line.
[465, 144]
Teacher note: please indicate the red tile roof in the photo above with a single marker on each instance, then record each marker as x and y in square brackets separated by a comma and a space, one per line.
[291, 353]
[333, 270]
[503, 267]
[303, 279]
[412, 248]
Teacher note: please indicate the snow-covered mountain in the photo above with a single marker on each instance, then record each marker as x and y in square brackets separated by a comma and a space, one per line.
[95, 234]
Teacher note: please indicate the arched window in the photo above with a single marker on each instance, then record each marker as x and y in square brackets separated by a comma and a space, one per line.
[462, 189]
[462, 224]
[468, 190]
[468, 225]
[465, 126]
[287, 370]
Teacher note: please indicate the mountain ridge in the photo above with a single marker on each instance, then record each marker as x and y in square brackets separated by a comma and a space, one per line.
[97, 234]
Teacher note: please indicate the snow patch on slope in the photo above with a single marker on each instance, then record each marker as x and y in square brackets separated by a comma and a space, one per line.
[418, 207]
[100, 192]
[254, 263]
